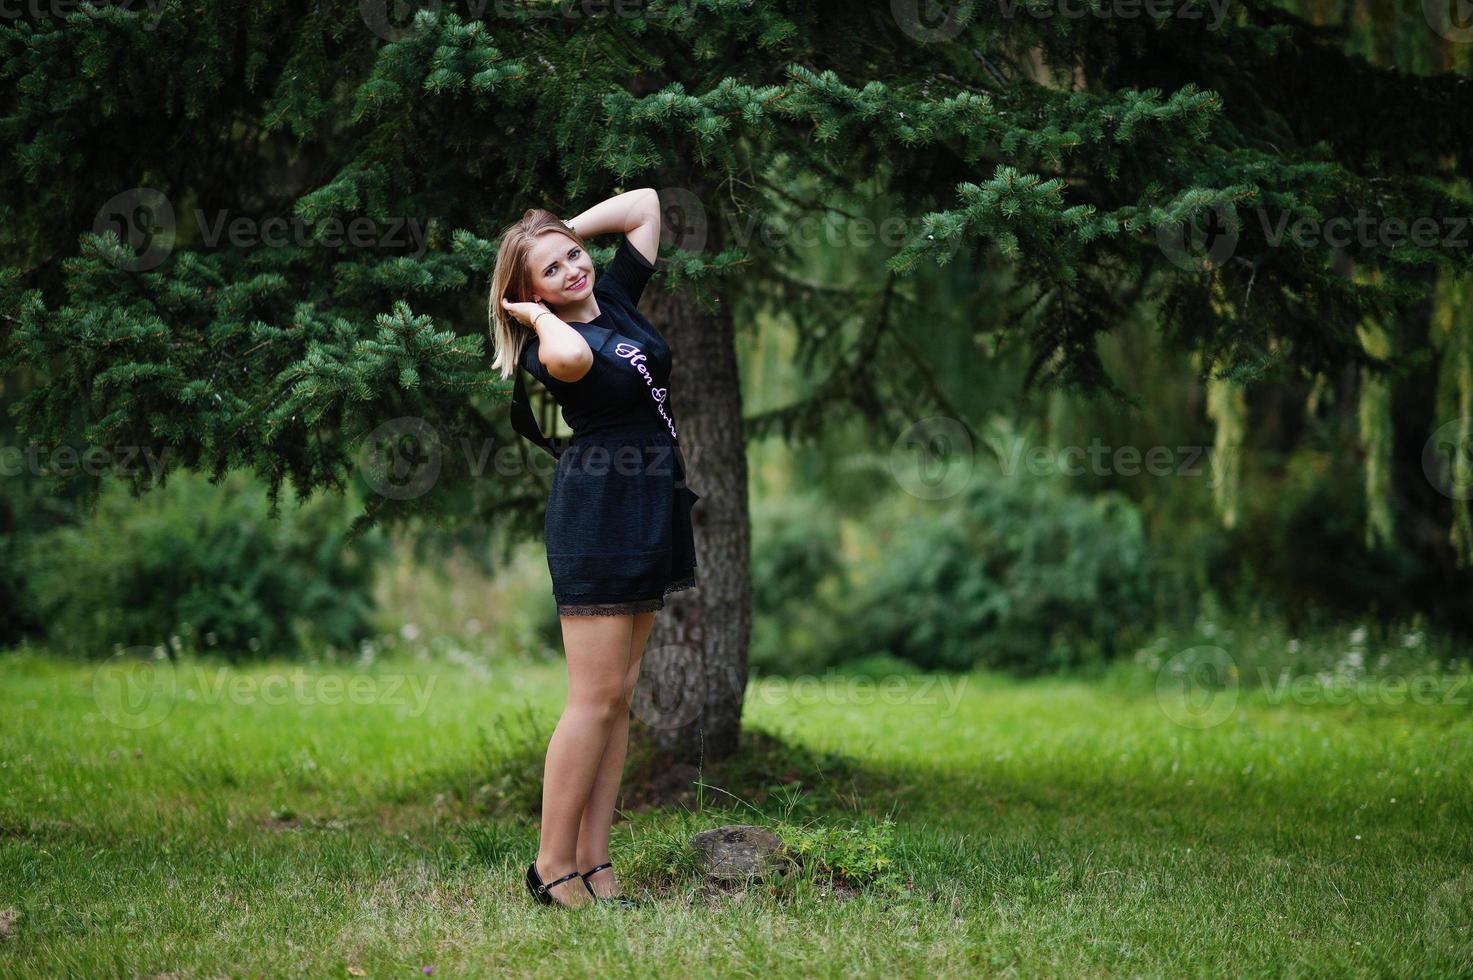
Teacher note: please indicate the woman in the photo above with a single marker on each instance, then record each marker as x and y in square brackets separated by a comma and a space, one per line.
[618, 526]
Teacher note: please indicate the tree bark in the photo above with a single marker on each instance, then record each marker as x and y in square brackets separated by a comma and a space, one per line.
[694, 672]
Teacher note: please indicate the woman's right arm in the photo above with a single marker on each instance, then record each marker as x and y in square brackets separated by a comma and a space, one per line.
[563, 351]
[560, 348]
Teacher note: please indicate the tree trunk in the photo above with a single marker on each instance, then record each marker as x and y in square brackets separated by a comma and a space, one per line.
[694, 672]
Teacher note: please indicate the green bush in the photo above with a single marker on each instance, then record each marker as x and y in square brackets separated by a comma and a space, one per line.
[205, 565]
[1302, 541]
[17, 615]
[796, 571]
[1014, 573]
[858, 852]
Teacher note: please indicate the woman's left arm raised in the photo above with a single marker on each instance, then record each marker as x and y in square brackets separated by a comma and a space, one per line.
[636, 213]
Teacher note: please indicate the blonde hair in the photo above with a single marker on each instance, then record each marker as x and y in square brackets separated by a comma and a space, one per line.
[510, 279]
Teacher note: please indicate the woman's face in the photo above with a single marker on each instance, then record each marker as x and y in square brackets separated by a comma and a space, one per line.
[561, 271]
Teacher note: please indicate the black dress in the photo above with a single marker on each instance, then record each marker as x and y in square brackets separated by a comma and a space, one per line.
[618, 526]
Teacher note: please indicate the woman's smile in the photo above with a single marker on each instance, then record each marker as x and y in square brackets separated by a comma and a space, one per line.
[578, 286]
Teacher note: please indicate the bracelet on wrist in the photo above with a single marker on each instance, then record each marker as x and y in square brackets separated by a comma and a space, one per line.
[538, 317]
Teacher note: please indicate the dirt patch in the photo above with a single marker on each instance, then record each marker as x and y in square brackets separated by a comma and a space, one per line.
[763, 765]
[37, 829]
[288, 819]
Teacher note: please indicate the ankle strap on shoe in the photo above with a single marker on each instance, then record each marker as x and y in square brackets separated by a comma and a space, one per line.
[554, 884]
[597, 868]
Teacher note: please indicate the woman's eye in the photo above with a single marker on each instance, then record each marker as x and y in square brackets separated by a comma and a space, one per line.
[572, 255]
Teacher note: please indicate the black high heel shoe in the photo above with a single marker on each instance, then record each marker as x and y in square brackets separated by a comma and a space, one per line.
[623, 901]
[540, 890]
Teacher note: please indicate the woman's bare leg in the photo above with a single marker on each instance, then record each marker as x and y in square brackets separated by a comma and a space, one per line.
[598, 655]
[598, 815]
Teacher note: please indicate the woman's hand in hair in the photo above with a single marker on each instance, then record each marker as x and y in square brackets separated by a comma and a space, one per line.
[524, 313]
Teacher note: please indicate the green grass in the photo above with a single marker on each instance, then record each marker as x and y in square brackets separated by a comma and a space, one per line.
[1049, 827]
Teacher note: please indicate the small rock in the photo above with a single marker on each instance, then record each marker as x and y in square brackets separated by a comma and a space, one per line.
[738, 851]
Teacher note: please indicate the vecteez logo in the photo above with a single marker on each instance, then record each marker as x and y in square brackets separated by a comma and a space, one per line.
[1198, 688]
[929, 21]
[1200, 243]
[401, 458]
[143, 218]
[1453, 19]
[933, 459]
[136, 687]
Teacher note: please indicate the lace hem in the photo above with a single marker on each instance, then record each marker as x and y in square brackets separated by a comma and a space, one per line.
[610, 608]
[626, 607]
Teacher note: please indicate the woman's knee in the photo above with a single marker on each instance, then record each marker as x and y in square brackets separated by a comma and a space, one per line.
[604, 704]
